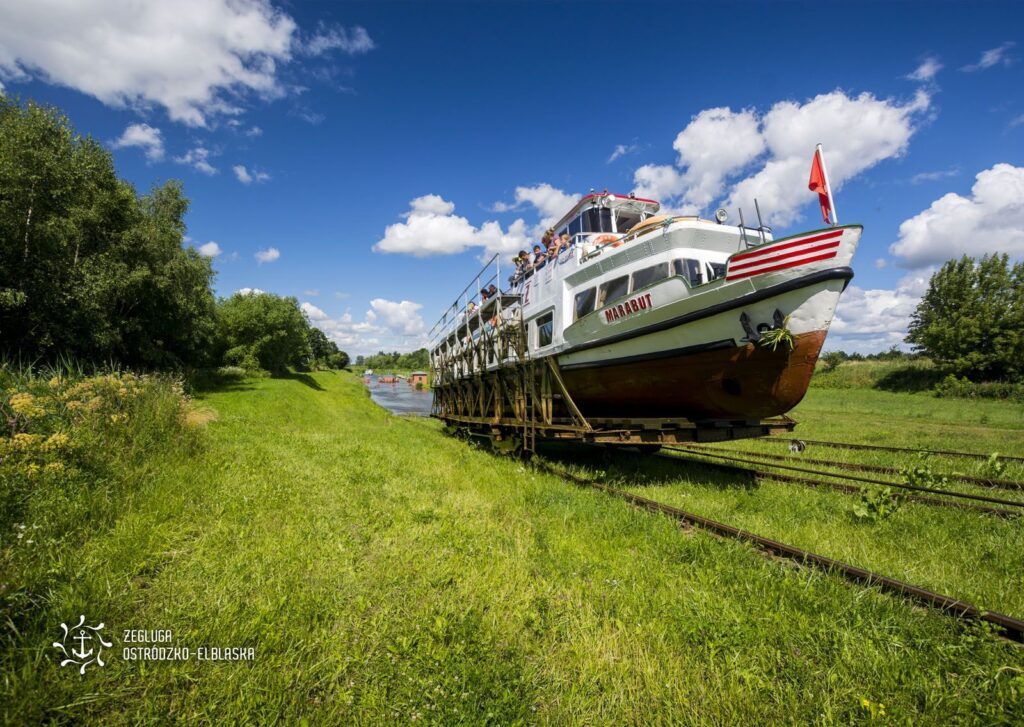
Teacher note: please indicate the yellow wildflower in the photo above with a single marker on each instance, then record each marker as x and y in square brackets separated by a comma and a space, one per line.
[55, 467]
[25, 405]
[54, 383]
[57, 441]
[74, 405]
[94, 404]
[26, 441]
[32, 469]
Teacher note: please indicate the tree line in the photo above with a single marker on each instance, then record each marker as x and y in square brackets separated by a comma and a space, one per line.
[381, 361]
[93, 271]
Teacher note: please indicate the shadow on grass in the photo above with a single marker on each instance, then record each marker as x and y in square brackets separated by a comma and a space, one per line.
[301, 378]
[624, 467]
[211, 382]
[910, 380]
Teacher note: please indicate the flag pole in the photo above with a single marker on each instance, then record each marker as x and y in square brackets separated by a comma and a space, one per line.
[828, 186]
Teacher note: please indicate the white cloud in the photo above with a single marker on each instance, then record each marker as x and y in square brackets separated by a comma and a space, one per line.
[857, 133]
[999, 55]
[188, 56]
[935, 176]
[313, 313]
[247, 177]
[925, 72]
[990, 220]
[395, 325]
[874, 320]
[401, 318]
[267, 256]
[144, 136]
[197, 159]
[312, 292]
[774, 150]
[432, 228]
[249, 291]
[1016, 121]
[549, 201]
[622, 150]
[254, 131]
[209, 249]
[334, 37]
[881, 263]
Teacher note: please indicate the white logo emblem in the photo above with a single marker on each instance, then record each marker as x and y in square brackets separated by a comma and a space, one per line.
[82, 645]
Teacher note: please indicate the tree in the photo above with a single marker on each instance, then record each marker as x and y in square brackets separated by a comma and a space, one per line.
[87, 268]
[263, 330]
[971, 319]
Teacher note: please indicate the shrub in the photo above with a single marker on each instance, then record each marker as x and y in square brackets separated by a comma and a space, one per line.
[951, 386]
[68, 448]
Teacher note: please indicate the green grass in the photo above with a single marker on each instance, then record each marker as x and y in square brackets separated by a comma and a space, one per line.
[385, 573]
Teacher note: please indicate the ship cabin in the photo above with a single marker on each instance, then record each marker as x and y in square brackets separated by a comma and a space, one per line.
[619, 247]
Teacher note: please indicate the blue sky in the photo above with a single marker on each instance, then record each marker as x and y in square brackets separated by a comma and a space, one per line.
[333, 133]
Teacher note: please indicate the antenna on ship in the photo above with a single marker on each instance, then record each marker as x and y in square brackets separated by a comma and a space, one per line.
[743, 229]
[760, 224]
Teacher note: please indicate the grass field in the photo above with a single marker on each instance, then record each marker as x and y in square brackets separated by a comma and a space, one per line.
[385, 573]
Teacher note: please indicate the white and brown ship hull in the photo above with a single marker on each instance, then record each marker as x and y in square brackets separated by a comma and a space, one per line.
[669, 351]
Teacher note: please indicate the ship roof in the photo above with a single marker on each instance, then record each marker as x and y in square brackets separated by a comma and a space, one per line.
[593, 196]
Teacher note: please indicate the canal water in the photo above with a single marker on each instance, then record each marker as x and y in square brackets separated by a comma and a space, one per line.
[401, 398]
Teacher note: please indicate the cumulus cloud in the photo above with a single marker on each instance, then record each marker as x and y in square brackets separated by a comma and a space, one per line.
[249, 291]
[143, 136]
[431, 227]
[397, 325]
[209, 249]
[990, 220]
[926, 71]
[246, 177]
[715, 144]
[197, 159]
[334, 37]
[312, 292]
[267, 256]
[188, 56]
[768, 156]
[876, 319]
[998, 56]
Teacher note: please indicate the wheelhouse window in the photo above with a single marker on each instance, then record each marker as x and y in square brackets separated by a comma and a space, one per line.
[576, 226]
[647, 276]
[585, 302]
[612, 290]
[598, 219]
[625, 221]
[688, 269]
[545, 327]
[715, 271]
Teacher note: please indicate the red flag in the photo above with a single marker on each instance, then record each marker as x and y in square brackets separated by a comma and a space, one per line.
[818, 184]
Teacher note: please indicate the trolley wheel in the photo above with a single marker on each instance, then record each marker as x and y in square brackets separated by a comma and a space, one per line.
[648, 448]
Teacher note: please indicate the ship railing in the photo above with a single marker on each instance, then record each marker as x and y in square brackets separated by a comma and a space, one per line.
[469, 313]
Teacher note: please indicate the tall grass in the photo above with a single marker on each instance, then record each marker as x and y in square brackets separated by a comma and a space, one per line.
[72, 449]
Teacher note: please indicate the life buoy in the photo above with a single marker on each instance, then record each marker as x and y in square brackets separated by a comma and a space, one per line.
[602, 240]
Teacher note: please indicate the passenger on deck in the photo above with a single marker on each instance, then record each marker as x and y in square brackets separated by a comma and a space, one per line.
[484, 295]
[492, 290]
[539, 257]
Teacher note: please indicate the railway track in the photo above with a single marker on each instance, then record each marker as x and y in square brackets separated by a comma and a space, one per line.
[1009, 627]
[1018, 507]
[880, 448]
[858, 467]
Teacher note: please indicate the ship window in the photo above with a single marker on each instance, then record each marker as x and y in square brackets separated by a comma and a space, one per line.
[576, 226]
[545, 325]
[647, 276]
[613, 289]
[624, 221]
[598, 219]
[689, 269]
[585, 302]
[715, 270]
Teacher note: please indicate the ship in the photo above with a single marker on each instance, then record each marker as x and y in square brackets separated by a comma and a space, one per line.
[644, 316]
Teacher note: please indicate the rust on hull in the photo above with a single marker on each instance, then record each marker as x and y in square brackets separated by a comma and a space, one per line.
[731, 383]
